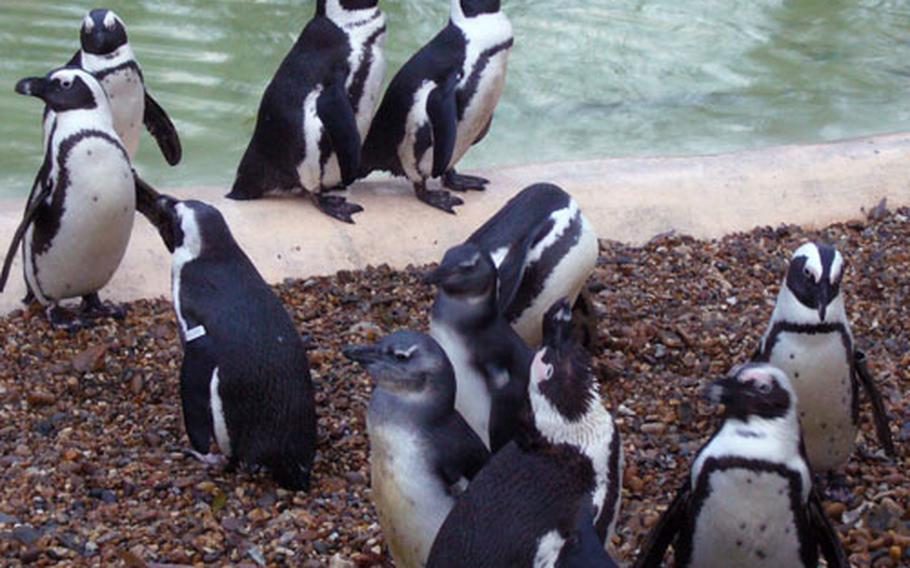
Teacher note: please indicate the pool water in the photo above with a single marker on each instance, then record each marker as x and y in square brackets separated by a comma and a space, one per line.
[587, 79]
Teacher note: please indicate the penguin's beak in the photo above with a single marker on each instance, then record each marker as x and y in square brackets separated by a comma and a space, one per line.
[436, 277]
[557, 324]
[366, 355]
[719, 391]
[32, 87]
[824, 297]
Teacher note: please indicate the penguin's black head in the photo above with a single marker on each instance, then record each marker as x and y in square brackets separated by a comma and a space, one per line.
[330, 7]
[755, 390]
[102, 32]
[64, 89]
[165, 217]
[815, 276]
[561, 371]
[193, 226]
[472, 8]
[409, 365]
[466, 271]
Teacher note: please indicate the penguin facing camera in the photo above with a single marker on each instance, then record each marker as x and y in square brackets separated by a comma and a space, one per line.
[79, 216]
[550, 497]
[809, 338]
[491, 361]
[749, 496]
[245, 378]
[317, 108]
[441, 103]
[422, 453]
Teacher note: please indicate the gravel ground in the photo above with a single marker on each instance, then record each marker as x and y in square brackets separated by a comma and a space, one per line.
[91, 439]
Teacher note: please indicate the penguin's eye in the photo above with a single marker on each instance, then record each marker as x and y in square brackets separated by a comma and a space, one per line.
[809, 275]
[764, 388]
[549, 372]
[66, 83]
[403, 355]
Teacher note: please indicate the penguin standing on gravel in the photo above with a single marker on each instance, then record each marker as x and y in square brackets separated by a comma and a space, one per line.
[441, 103]
[544, 249]
[491, 361]
[749, 500]
[809, 338]
[245, 377]
[551, 497]
[79, 216]
[422, 452]
[316, 110]
[106, 54]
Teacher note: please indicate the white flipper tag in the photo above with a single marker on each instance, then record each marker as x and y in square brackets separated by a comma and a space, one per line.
[195, 333]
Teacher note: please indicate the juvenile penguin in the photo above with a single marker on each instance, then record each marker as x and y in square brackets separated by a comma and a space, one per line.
[809, 338]
[491, 361]
[79, 216]
[422, 452]
[106, 54]
[544, 249]
[551, 497]
[441, 103]
[317, 109]
[245, 378]
[749, 499]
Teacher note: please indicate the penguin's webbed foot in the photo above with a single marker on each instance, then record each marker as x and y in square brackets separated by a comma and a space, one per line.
[439, 199]
[208, 460]
[93, 308]
[460, 182]
[337, 207]
[60, 318]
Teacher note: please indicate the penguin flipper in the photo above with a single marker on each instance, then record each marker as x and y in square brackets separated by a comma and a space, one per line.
[41, 190]
[195, 390]
[337, 116]
[146, 196]
[159, 125]
[584, 548]
[465, 455]
[825, 534]
[484, 132]
[665, 531]
[511, 271]
[442, 109]
[879, 415]
[75, 60]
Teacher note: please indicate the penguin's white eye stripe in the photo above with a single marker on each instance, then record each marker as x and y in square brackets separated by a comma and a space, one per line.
[88, 23]
[406, 353]
[110, 20]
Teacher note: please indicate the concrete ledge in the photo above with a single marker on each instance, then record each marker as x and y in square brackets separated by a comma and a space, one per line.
[629, 200]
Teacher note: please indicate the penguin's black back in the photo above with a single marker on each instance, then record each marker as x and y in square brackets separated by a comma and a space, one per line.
[515, 500]
[262, 364]
[527, 210]
[433, 61]
[278, 143]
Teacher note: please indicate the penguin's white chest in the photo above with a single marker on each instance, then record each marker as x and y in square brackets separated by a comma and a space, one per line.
[819, 368]
[98, 211]
[410, 498]
[127, 98]
[472, 396]
[417, 161]
[747, 520]
[310, 169]
[368, 68]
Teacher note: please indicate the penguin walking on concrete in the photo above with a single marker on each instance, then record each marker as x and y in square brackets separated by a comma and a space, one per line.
[422, 453]
[491, 361]
[544, 249]
[316, 110]
[809, 338]
[551, 497]
[441, 103]
[749, 500]
[245, 378]
[106, 54]
[79, 216]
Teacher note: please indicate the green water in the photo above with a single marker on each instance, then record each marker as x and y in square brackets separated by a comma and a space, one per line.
[588, 78]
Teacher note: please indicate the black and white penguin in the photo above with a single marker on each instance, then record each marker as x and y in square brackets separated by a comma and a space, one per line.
[749, 500]
[79, 216]
[551, 497]
[491, 361]
[245, 378]
[317, 109]
[809, 338]
[544, 249]
[441, 103]
[106, 53]
[422, 453]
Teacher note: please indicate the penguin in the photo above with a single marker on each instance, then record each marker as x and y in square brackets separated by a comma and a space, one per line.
[544, 249]
[317, 109]
[422, 453]
[79, 215]
[106, 54]
[491, 361]
[245, 378]
[551, 496]
[750, 495]
[809, 338]
[441, 103]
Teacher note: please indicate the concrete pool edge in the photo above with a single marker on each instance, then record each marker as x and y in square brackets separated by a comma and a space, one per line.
[627, 199]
